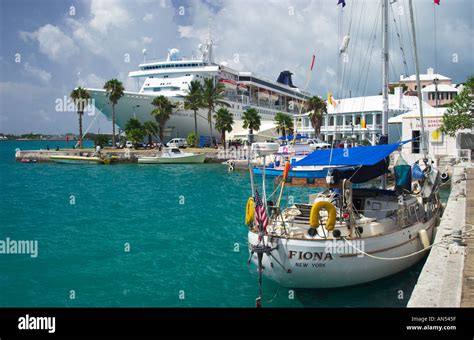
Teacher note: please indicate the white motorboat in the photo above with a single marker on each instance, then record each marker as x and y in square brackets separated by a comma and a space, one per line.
[173, 156]
[73, 159]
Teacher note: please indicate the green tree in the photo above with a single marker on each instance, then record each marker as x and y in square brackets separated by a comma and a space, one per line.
[213, 95]
[151, 129]
[162, 113]
[283, 122]
[193, 139]
[459, 114]
[224, 121]
[194, 99]
[134, 130]
[80, 96]
[114, 90]
[251, 120]
[317, 108]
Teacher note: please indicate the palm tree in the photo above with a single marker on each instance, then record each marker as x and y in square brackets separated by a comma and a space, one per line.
[317, 108]
[213, 95]
[80, 96]
[224, 121]
[162, 112]
[114, 90]
[251, 120]
[284, 122]
[194, 99]
[151, 129]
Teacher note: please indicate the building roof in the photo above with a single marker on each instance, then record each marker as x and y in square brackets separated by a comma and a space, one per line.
[441, 88]
[432, 112]
[396, 102]
[429, 76]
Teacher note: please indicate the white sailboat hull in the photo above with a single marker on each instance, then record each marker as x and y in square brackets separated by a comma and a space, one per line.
[318, 264]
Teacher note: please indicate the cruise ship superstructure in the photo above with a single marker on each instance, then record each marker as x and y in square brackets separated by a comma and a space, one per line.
[171, 78]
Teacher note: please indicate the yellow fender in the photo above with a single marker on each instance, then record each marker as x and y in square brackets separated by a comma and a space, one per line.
[249, 211]
[314, 216]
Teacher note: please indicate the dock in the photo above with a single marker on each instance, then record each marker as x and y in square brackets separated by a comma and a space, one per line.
[123, 155]
[447, 278]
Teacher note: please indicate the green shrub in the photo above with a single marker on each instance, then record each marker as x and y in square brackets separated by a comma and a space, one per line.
[193, 139]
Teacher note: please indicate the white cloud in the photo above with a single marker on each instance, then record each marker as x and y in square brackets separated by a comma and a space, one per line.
[148, 17]
[94, 81]
[108, 13]
[56, 45]
[37, 72]
[147, 40]
[25, 36]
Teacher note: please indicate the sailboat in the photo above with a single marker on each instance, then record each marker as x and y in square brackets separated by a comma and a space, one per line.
[344, 234]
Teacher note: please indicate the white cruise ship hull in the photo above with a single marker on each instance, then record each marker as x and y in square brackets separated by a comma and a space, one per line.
[137, 105]
[181, 122]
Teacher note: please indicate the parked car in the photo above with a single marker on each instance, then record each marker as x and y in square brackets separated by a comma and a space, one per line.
[316, 143]
[129, 144]
[177, 143]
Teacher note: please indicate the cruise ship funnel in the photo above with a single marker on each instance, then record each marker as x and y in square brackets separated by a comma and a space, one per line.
[285, 78]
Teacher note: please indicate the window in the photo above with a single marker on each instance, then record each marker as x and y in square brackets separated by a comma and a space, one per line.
[378, 119]
[369, 119]
[415, 145]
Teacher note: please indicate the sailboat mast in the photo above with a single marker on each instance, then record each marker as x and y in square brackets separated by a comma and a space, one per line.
[384, 137]
[418, 84]
[385, 67]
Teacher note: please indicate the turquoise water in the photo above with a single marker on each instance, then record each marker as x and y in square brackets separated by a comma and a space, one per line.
[180, 254]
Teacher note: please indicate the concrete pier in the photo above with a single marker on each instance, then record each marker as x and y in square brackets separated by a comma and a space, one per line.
[124, 155]
[443, 281]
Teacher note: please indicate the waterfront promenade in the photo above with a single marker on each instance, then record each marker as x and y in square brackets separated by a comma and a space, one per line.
[467, 297]
[447, 278]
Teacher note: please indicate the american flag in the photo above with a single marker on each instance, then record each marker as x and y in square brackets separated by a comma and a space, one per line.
[260, 212]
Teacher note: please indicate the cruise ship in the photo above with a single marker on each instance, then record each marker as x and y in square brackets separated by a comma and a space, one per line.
[171, 78]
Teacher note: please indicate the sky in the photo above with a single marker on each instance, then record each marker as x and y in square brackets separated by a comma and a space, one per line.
[49, 47]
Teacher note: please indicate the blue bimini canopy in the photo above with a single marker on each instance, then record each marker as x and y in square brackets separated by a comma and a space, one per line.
[357, 156]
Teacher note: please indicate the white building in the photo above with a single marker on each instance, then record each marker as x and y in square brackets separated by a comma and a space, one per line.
[358, 118]
[440, 146]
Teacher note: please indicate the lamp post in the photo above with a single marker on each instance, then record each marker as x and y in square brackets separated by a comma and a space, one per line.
[134, 107]
[435, 81]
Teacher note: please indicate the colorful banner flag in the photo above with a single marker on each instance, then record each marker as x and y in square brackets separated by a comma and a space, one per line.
[363, 125]
[437, 2]
[331, 100]
[312, 63]
[343, 2]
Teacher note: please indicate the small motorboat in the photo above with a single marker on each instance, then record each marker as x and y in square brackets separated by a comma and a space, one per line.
[173, 156]
[27, 160]
[75, 159]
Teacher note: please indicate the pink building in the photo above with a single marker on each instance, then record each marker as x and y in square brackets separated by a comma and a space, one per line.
[433, 85]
